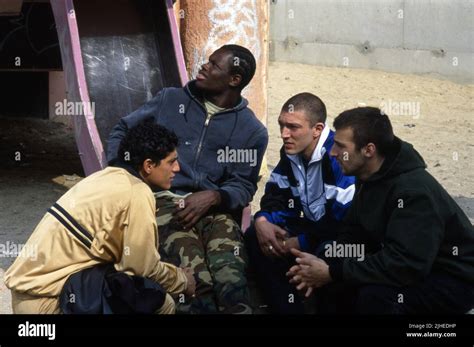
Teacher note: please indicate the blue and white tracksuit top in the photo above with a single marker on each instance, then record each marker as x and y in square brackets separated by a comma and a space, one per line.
[314, 200]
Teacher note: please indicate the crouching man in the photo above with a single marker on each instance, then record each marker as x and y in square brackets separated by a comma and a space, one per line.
[107, 218]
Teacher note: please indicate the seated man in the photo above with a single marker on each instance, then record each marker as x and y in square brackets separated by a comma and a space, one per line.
[305, 199]
[418, 243]
[107, 218]
[222, 144]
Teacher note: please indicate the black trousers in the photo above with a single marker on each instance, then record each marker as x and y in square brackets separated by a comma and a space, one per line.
[280, 295]
[436, 294]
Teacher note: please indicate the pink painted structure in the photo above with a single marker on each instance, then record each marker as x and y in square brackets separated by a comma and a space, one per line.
[89, 142]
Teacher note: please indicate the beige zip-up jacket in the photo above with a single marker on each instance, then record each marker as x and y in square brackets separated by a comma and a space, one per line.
[109, 217]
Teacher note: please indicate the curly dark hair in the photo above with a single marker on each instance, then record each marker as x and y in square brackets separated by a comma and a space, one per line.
[146, 140]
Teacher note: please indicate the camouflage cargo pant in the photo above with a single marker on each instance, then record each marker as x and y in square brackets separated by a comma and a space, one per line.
[213, 248]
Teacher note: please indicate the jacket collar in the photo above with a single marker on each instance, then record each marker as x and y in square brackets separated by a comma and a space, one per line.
[196, 94]
[318, 152]
[128, 168]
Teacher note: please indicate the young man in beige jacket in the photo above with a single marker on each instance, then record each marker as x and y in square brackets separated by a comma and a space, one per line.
[109, 217]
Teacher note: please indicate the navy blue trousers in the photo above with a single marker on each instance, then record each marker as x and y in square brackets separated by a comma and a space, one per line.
[280, 296]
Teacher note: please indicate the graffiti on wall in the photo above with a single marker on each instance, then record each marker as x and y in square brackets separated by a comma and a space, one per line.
[29, 40]
[232, 21]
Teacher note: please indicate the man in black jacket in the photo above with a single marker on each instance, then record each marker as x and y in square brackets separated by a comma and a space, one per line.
[418, 243]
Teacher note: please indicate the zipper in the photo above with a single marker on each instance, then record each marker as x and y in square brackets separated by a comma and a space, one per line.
[306, 190]
[305, 174]
[203, 133]
[201, 140]
[306, 187]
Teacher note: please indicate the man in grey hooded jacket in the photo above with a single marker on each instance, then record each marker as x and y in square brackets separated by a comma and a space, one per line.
[221, 149]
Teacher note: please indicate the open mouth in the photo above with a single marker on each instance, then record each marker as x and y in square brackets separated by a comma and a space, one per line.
[200, 76]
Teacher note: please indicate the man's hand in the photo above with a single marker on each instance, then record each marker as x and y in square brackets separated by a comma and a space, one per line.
[270, 237]
[311, 272]
[290, 243]
[292, 273]
[191, 287]
[196, 205]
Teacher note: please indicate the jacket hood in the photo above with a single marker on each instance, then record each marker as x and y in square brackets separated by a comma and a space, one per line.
[194, 92]
[400, 159]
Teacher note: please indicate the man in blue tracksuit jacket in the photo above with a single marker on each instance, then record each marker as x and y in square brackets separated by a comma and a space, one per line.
[304, 203]
[221, 149]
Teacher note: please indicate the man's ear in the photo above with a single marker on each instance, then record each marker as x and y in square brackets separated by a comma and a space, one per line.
[235, 80]
[318, 129]
[370, 150]
[147, 166]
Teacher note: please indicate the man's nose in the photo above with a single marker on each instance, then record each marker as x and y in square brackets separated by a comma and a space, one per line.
[285, 133]
[176, 168]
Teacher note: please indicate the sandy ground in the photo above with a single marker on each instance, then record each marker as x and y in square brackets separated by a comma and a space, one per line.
[442, 132]
[28, 187]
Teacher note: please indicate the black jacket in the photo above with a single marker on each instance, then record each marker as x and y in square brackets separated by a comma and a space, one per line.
[410, 225]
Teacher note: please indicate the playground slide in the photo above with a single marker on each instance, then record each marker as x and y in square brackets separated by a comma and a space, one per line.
[116, 55]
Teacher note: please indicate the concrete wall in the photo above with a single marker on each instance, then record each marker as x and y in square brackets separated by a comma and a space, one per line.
[408, 36]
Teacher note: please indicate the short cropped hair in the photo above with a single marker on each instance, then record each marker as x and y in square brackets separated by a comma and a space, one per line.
[368, 124]
[312, 106]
